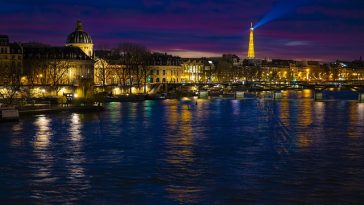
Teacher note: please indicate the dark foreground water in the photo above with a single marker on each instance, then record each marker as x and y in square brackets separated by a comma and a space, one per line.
[295, 151]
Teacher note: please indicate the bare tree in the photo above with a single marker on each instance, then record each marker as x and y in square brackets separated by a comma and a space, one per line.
[120, 72]
[145, 78]
[35, 72]
[252, 73]
[135, 58]
[224, 70]
[102, 72]
[10, 75]
[56, 72]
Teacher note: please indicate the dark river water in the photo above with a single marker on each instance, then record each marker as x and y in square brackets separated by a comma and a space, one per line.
[220, 151]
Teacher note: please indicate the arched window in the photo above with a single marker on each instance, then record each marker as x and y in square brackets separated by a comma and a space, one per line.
[157, 80]
[163, 80]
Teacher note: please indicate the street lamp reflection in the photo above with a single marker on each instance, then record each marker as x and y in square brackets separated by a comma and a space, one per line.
[43, 132]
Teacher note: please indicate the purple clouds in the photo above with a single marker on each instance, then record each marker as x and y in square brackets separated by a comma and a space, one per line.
[326, 30]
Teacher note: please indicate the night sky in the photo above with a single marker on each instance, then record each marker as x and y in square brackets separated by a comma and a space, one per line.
[320, 29]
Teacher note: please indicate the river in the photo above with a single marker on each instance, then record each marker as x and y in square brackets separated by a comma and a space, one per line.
[218, 151]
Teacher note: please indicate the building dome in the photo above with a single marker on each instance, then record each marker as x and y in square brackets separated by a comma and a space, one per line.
[79, 36]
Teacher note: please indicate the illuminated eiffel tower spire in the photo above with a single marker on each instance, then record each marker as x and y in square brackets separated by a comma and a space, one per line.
[251, 52]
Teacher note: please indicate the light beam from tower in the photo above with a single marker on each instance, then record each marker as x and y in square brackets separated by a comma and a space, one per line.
[251, 51]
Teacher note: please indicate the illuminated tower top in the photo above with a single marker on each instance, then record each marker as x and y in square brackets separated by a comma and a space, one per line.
[251, 51]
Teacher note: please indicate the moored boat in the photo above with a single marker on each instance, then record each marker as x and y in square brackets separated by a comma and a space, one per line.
[9, 114]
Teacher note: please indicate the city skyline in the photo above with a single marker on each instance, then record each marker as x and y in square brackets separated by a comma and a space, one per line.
[181, 102]
[323, 31]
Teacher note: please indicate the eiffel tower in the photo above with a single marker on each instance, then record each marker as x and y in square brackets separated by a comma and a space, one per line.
[251, 52]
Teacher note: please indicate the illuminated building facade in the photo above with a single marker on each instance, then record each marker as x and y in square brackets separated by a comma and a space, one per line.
[159, 68]
[278, 70]
[194, 70]
[50, 68]
[164, 68]
[71, 63]
[164, 74]
[251, 51]
[76, 58]
[11, 59]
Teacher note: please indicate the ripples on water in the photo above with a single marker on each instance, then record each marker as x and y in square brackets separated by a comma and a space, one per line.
[293, 151]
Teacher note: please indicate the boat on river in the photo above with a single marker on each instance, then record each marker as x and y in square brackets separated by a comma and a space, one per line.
[9, 114]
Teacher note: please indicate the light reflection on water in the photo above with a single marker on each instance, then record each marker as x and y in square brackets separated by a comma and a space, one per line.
[44, 132]
[360, 110]
[76, 153]
[43, 162]
[180, 157]
[179, 152]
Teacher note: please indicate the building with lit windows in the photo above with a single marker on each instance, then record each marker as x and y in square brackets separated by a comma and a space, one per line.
[11, 60]
[70, 63]
[64, 66]
[194, 70]
[159, 68]
[165, 68]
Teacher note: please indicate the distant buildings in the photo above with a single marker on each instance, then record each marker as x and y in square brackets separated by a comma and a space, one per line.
[40, 70]
[56, 66]
[195, 70]
[11, 60]
[163, 68]
[113, 69]
[59, 69]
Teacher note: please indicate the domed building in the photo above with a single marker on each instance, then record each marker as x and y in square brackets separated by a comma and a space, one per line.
[81, 39]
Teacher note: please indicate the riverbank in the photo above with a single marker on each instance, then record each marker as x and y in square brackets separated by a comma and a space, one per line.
[142, 97]
[77, 109]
